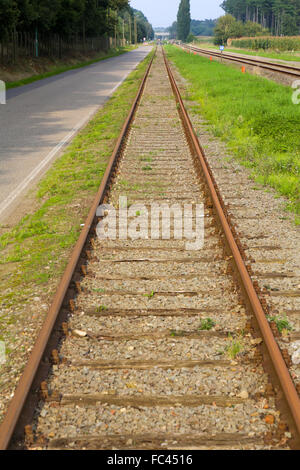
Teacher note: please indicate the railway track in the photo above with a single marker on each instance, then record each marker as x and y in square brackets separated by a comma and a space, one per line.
[147, 344]
[289, 70]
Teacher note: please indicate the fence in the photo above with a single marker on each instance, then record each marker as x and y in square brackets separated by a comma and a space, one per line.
[20, 45]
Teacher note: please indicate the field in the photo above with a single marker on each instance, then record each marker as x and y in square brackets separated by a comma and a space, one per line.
[283, 44]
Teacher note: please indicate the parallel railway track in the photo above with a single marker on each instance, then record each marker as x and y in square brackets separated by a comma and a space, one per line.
[148, 345]
[289, 70]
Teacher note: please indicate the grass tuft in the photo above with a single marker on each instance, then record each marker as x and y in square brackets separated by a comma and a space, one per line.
[207, 324]
[281, 323]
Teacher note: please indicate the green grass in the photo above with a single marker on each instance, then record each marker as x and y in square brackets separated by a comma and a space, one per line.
[152, 293]
[66, 68]
[207, 324]
[102, 308]
[254, 116]
[281, 323]
[34, 253]
[234, 348]
[146, 159]
[147, 168]
[128, 186]
[290, 56]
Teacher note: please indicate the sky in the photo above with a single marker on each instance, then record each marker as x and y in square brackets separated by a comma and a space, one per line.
[164, 12]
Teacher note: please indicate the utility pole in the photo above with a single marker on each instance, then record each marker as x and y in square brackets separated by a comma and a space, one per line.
[36, 42]
[83, 33]
[123, 32]
[135, 31]
[117, 24]
[130, 33]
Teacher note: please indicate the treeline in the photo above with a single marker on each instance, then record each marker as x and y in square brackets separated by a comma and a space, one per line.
[280, 17]
[144, 28]
[203, 28]
[198, 28]
[173, 30]
[86, 18]
[228, 27]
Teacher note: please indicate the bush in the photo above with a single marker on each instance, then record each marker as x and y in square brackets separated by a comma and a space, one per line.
[190, 38]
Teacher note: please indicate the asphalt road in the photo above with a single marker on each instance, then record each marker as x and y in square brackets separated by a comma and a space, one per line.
[39, 119]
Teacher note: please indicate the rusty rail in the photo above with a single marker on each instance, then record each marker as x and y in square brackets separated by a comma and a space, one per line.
[16, 406]
[278, 362]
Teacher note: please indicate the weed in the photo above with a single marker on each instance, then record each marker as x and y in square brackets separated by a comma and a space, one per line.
[177, 333]
[129, 186]
[281, 323]
[147, 168]
[234, 348]
[102, 308]
[207, 324]
[152, 294]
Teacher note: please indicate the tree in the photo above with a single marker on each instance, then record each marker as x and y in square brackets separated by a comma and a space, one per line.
[9, 14]
[190, 38]
[144, 28]
[173, 30]
[203, 28]
[224, 29]
[228, 27]
[43, 14]
[183, 20]
[68, 18]
[281, 17]
[254, 29]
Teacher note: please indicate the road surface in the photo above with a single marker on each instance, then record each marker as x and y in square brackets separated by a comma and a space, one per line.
[39, 119]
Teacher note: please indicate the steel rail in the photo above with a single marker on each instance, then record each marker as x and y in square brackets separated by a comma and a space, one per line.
[9, 424]
[275, 354]
[281, 68]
